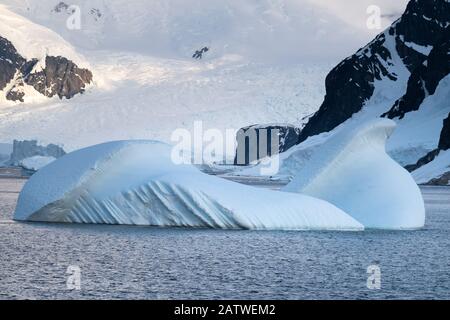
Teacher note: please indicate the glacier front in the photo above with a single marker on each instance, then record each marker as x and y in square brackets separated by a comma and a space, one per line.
[136, 183]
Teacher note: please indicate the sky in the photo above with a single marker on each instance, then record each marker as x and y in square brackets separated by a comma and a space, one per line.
[279, 30]
[354, 12]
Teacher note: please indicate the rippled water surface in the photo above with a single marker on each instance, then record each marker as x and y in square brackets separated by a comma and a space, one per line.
[153, 263]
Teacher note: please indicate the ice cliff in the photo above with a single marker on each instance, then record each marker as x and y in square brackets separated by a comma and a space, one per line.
[27, 149]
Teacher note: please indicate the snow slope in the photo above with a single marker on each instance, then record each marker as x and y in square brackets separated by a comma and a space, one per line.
[148, 98]
[420, 130]
[136, 182]
[353, 171]
[139, 93]
[33, 40]
[434, 169]
[260, 29]
[267, 64]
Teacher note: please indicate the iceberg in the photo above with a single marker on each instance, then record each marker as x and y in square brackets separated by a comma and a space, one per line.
[350, 183]
[35, 163]
[137, 183]
[353, 171]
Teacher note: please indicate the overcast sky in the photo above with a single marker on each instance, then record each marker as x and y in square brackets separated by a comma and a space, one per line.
[354, 12]
[280, 30]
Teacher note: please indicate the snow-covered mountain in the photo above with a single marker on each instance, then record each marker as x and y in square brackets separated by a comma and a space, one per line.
[261, 29]
[145, 86]
[267, 63]
[403, 74]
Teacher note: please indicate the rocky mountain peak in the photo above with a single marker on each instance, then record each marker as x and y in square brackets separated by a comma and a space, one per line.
[349, 86]
[59, 76]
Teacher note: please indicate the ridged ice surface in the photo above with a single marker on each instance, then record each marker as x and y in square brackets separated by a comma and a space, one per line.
[136, 183]
[353, 171]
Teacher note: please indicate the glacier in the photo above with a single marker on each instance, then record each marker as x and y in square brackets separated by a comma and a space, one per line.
[136, 183]
[353, 171]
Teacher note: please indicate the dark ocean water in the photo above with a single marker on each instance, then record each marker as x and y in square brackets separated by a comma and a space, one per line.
[122, 262]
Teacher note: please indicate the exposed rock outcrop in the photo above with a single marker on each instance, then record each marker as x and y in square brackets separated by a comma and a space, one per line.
[430, 156]
[59, 76]
[10, 62]
[443, 180]
[349, 85]
[424, 79]
[444, 141]
[444, 144]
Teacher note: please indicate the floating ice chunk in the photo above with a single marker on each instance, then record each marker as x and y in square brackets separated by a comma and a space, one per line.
[353, 171]
[36, 163]
[136, 183]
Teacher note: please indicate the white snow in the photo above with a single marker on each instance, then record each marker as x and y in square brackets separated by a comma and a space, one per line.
[135, 182]
[419, 131]
[261, 29]
[435, 169]
[353, 171]
[147, 98]
[36, 163]
[267, 64]
[35, 41]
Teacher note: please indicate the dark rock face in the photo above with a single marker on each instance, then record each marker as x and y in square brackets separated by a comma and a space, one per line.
[61, 7]
[444, 144]
[444, 141]
[424, 79]
[27, 149]
[423, 21]
[430, 156]
[259, 141]
[60, 77]
[16, 93]
[443, 180]
[10, 62]
[351, 83]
